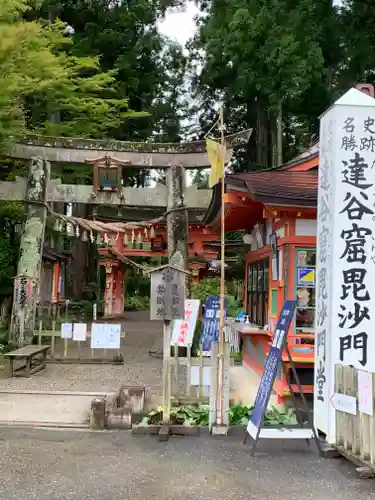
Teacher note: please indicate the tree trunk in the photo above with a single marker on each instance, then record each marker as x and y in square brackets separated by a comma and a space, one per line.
[261, 135]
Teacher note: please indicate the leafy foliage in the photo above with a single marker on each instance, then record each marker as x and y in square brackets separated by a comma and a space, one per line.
[211, 286]
[238, 415]
[41, 76]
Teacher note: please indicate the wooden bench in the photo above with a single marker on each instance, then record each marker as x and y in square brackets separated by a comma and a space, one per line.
[34, 356]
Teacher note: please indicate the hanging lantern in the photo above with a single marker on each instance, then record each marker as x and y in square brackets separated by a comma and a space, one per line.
[84, 236]
[92, 239]
[152, 232]
[98, 239]
[133, 237]
[77, 231]
[69, 229]
[125, 239]
[106, 239]
[146, 233]
[139, 238]
[57, 225]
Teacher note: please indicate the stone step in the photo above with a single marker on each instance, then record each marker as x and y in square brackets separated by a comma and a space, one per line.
[46, 408]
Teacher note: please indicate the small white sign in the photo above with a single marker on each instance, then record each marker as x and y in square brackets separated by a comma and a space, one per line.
[66, 330]
[79, 331]
[344, 403]
[105, 336]
[365, 399]
[183, 329]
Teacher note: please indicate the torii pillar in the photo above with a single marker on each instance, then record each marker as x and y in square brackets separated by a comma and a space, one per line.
[177, 220]
[27, 281]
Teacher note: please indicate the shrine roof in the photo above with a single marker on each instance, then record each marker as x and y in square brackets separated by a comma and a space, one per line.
[277, 187]
[53, 255]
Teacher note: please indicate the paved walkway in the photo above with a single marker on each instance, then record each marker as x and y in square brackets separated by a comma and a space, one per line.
[76, 465]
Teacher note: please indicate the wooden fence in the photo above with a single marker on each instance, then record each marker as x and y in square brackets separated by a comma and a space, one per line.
[355, 434]
[231, 335]
[194, 380]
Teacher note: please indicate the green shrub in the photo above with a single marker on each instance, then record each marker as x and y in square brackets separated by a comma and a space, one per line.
[137, 303]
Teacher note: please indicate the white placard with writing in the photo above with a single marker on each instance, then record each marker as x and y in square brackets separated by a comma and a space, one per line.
[365, 399]
[345, 267]
[105, 336]
[79, 332]
[183, 329]
[66, 330]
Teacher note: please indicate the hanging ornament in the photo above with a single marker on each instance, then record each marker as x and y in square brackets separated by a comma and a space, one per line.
[133, 236]
[146, 233]
[92, 239]
[77, 231]
[139, 239]
[106, 239]
[117, 236]
[152, 233]
[98, 239]
[125, 239]
[84, 236]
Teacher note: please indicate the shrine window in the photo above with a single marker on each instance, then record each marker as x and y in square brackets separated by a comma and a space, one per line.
[305, 289]
[257, 286]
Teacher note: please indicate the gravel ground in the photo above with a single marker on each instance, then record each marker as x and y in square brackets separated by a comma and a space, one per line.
[139, 367]
[61, 465]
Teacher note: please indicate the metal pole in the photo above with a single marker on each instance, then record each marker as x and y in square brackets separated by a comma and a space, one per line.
[219, 419]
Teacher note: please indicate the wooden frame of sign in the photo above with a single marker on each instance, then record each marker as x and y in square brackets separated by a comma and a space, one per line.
[256, 430]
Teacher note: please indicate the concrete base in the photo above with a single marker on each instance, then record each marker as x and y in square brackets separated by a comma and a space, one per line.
[219, 430]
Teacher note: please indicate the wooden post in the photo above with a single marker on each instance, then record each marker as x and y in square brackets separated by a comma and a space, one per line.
[27, 282]
[166, 379]
[177, 230]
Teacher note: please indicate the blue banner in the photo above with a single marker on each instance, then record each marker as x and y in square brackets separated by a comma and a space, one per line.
[211, 322]
[272, 365]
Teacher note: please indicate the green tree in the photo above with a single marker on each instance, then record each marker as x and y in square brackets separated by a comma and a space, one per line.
[41, 74]
[148, 68]
[268, 62]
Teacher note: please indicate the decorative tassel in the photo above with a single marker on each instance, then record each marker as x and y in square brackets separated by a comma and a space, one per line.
[152, 233]
[92, 239]
[98, 239]
[77, 231]
[84, 236]
[125, 239]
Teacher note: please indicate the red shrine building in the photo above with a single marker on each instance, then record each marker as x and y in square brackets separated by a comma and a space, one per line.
[278, 209]
[150, 243]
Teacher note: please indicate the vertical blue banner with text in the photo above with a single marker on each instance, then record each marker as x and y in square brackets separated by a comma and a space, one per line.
[271, 367]
[211, 322]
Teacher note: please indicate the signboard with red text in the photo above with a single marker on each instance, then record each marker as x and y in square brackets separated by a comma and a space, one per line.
[183, 329]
